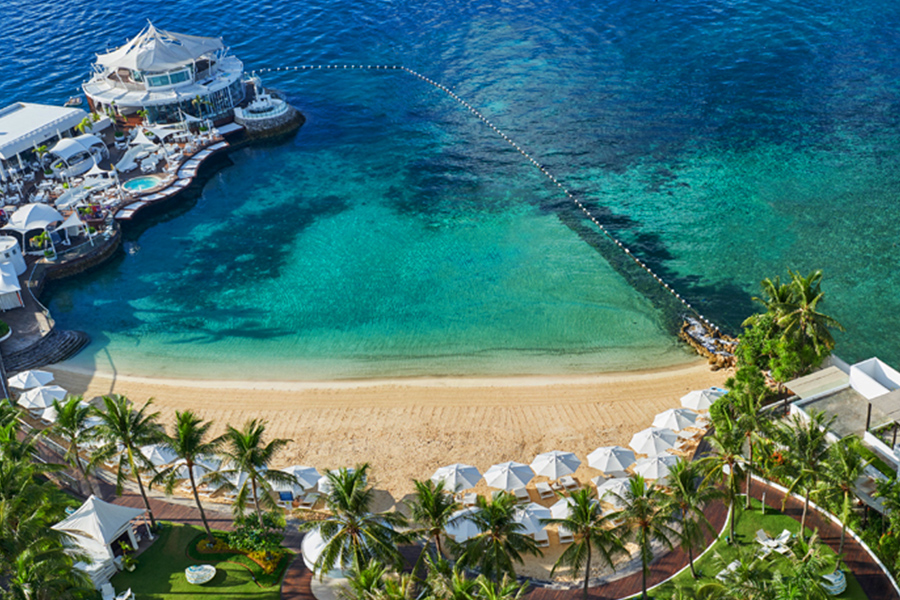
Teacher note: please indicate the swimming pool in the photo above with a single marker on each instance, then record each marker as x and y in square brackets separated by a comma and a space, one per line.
[139, 184]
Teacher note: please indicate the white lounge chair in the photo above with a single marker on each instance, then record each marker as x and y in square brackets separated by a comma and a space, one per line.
[569, 483]
[763, 538]
[544, 490]
[565, 536]
[470, 499]
[521, 495]
[542, 539]
[107, 592]
[731, 568]
[309, 500]
[783, 538]
[126, 595]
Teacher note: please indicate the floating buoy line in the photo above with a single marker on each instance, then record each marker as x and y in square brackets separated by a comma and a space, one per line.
[712, 327]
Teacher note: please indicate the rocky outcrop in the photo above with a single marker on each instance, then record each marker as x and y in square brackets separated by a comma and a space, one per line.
[709, 342]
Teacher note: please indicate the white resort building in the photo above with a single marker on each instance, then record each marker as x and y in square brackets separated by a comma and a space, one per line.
[171, 76]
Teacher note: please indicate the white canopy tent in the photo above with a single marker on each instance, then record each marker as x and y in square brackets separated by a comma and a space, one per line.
[141, 139]
[157, 50]
[33, 216]
[10, 290]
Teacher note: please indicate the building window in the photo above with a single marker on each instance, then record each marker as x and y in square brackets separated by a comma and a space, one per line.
[179, 76]
[158, 80]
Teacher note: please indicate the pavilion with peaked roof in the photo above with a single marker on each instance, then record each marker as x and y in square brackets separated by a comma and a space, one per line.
[170, 75]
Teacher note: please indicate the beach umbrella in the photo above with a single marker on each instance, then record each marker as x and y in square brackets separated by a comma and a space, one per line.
[612, 460]
[307, 477]
[701, 399]
[460, 526]
[158, 454]
[41, 397]
[530, 516]
[49, 415]
[324, 485]
[676, 418]
[607, 489]
[457, 477]
[508, 476]
[555, 464]
[653, 440]
[202, 466]
[562, 508]
[656, 467]
[30, 379]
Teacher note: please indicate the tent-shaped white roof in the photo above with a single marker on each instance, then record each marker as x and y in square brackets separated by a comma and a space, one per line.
[71, 221]
[33, 216]
[9, 281]
[141, 139]
[99, 520]
[67, 147]
[24, 125]
[157, 50]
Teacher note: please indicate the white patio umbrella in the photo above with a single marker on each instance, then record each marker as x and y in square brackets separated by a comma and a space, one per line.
[49, 415]
[457, 477]
[324, 484]
[202, 466]
[555, 464]
[158, 454]
[612, 460]
[41, 397]
[701, 399]
[530, 516]
[608, 488]
[656, 467]
[508, 476]
[460, 526]
[653, 440]
[562, 508]
[30, 379]
[307, 477]
[676, 418]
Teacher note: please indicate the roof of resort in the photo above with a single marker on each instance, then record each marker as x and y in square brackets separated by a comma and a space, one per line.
[157, 50]
[24, 125]
[819, 382]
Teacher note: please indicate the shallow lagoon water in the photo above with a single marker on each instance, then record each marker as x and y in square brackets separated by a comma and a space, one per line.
[396, 235]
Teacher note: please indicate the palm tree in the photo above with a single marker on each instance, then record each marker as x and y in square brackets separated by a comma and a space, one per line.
[247, 456]
[776, 296]
[500, 542]
[806, 447]
[842, 467]
[190, 445]
[801, 316]
[724, 465]
[689, 494]
[432, 509]
[592, 531]
[506, 589]
[85, 124]
[749, 579]
[355, 535]
[44, 571]
[123, 431]
[645, 513]
[747, 420]
[446, 582]
[71, 426]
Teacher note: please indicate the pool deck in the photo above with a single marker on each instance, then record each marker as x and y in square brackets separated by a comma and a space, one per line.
[184, 176]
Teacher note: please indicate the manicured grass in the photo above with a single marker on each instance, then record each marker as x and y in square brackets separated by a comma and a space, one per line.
[748, 523]
[160, 571]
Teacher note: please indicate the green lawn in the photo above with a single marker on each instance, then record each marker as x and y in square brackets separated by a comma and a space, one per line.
[160, 571]
[748, 523]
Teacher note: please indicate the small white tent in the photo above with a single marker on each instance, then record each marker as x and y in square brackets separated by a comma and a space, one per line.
[10, 290]
[32, 217]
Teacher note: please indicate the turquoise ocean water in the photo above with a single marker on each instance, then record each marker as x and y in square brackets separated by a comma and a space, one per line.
[397, 235]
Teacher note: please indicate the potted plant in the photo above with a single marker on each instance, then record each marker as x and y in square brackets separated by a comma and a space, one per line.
[129, 562]
[119, 134]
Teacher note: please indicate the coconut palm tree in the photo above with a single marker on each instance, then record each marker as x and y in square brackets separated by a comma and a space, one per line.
[689, 495]
[749, 579]
[446, 582]
[190, 445]
[745, 407]
[44, 571]
[431, 509]
[725, 465]
[646, 515]
[123, 431]
[843, 466]
[801, 316]
[355, 535]
[776, 296]
[806, 447]
[71, 426]
[85, 124]
[500, 542]
[246, 455]
[505, 589]
[592, 531]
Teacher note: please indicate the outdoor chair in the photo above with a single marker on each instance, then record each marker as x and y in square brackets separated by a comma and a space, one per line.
[783, 538]
[542, 539]
[763, 538]
[521, 495]
[309, 500]
[731, 568]
[286, 499]
[108, 592]
[569, 483]
[544, 490]
[565, 536]
[126, 595]
[470, 499]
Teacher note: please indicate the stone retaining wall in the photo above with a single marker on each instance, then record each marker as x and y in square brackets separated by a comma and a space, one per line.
[290, 120]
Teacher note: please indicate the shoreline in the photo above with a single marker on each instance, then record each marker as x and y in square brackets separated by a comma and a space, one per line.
[407, 428]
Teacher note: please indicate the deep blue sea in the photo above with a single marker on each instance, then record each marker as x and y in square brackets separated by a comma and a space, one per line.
[724, 141]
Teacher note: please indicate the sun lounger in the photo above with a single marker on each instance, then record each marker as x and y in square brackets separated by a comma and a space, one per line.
[470, 499]
[569, 483]
[107, 591]
[544, 490]
[783, 538]
[731, 568]
[286, 500]
[565, 536]
[542, 539]
[309, 500]
[763, 538]
[521, 495]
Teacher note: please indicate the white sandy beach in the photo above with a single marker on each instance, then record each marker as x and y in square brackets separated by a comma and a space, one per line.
[408, 428]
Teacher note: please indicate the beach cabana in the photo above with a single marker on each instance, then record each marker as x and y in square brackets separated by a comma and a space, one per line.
[701, 399]
[508, 476]
[555, 464]
[656, 467]
[676, 418]
[612, 460]
[30, 379]
[95, 529]
[41, 397]
[653, 440]
[33, 217]
[10, 289]
[457, 477]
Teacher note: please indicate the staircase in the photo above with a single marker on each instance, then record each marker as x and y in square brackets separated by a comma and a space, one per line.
[56, 346]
